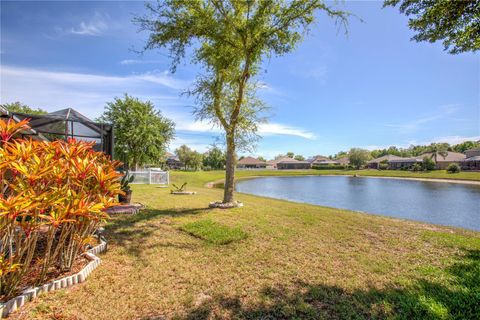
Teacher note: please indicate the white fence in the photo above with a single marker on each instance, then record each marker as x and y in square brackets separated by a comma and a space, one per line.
[150, 176]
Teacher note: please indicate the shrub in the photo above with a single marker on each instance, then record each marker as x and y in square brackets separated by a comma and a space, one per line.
[428, 164]
[453, 168]
[383, 166]
[417, 167]
[328, 167]
[53, 197]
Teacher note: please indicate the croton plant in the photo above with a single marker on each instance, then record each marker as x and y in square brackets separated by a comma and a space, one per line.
[53, 196]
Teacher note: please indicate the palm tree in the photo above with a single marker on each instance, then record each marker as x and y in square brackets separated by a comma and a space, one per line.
[438, 149]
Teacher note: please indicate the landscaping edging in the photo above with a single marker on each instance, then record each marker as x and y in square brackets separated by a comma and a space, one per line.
[14, 304]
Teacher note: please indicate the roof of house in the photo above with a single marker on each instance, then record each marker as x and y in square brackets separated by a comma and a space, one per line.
[250, 161]
[326, 162]
[413, 159]
[343, 160]
[451, 156]
[475, 158]
[388, 157]
[318, 158]
[290, 160]
[473, 149]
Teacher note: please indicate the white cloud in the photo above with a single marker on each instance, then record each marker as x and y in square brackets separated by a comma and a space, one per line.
[412, 126]
[282, 129]
[136, 61]
[454, 139]
[95, 27]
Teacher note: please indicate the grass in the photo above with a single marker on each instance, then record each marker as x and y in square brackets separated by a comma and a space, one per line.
[213, 232]
[299, 261]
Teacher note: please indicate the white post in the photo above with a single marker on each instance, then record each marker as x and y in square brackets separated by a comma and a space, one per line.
[168, 178]
[149, 176]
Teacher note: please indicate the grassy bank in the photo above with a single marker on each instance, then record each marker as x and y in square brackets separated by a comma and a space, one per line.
[283, 260]
[200, 178]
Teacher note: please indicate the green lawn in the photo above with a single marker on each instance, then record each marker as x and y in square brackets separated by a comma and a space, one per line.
[282, 260]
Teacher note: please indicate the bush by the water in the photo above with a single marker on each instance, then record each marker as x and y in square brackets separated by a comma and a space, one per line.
[53, 198]
[328, 167]
[383, 166]
[417, 167]
[453, 168]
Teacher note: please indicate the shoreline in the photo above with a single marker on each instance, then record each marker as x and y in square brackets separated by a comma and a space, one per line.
[213, 184]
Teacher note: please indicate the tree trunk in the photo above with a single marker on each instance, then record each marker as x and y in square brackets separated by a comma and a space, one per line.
[229, 170]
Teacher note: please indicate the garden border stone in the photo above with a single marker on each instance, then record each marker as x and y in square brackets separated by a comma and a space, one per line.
[29, 294]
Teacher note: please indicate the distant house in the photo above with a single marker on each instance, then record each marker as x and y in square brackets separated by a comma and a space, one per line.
[443, 162]
[289, 163]
[472, 161]
[374, 164]
[322, 161]
[251, 163]
[173, 162]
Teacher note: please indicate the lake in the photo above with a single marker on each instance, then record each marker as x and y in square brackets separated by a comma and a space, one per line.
[449, 204]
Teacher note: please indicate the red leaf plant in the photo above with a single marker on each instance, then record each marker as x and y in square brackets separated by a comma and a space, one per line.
[53, 197]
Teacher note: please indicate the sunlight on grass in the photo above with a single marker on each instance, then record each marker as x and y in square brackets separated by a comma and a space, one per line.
[213, 232]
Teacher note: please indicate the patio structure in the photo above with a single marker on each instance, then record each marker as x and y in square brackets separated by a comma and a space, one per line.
[374, 164]
[289, 163]
[65, 124]
[173, 162]
[345, 161]
[472, 162]
[251, 163]
[404, 163]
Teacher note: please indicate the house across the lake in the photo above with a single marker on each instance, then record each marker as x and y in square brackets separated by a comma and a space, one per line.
[374, 164]
[319, 161]
[472, 161]
[173, 162]
[289, 164]
[443, 161]
[404, 163]
[251, 163]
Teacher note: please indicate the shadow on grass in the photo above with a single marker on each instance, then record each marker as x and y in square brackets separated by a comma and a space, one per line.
[132, 231]
[455, 298]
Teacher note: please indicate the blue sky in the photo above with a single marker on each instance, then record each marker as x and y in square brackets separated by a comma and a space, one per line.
[372, 88]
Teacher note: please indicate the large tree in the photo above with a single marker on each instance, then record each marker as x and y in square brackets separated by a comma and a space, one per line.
[214, 158]
[230, 39]
[141, 132]
[455, 22]
[358, 157]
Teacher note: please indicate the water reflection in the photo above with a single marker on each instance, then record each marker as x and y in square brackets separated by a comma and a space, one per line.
[441, 203]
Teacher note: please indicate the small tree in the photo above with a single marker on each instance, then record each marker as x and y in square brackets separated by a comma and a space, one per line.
[262, 159]
[230, 40]
[290, 154]
[215, 158]
[299, 157]
[358, 157]
[141, 132]
[191, 159]
[428, 164]
[453, 22]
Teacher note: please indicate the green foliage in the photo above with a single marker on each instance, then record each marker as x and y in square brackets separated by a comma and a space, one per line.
[191, 159]
[453, 22]
[299, 157]
[214, 159]
[182, 188]
[383, 166]
[428, 164]
[464, 146]
[290, 154]
[125, 182]
[417, 167]
[262, 159]
[141, 132]
[214, 232]
[22, 108]
[328, 167]
[358, 157]
[453, 168]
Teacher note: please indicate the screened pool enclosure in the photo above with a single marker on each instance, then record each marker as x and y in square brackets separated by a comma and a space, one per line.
[67, 123]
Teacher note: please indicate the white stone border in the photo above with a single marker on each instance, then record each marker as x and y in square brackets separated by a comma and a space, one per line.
[16, 303]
